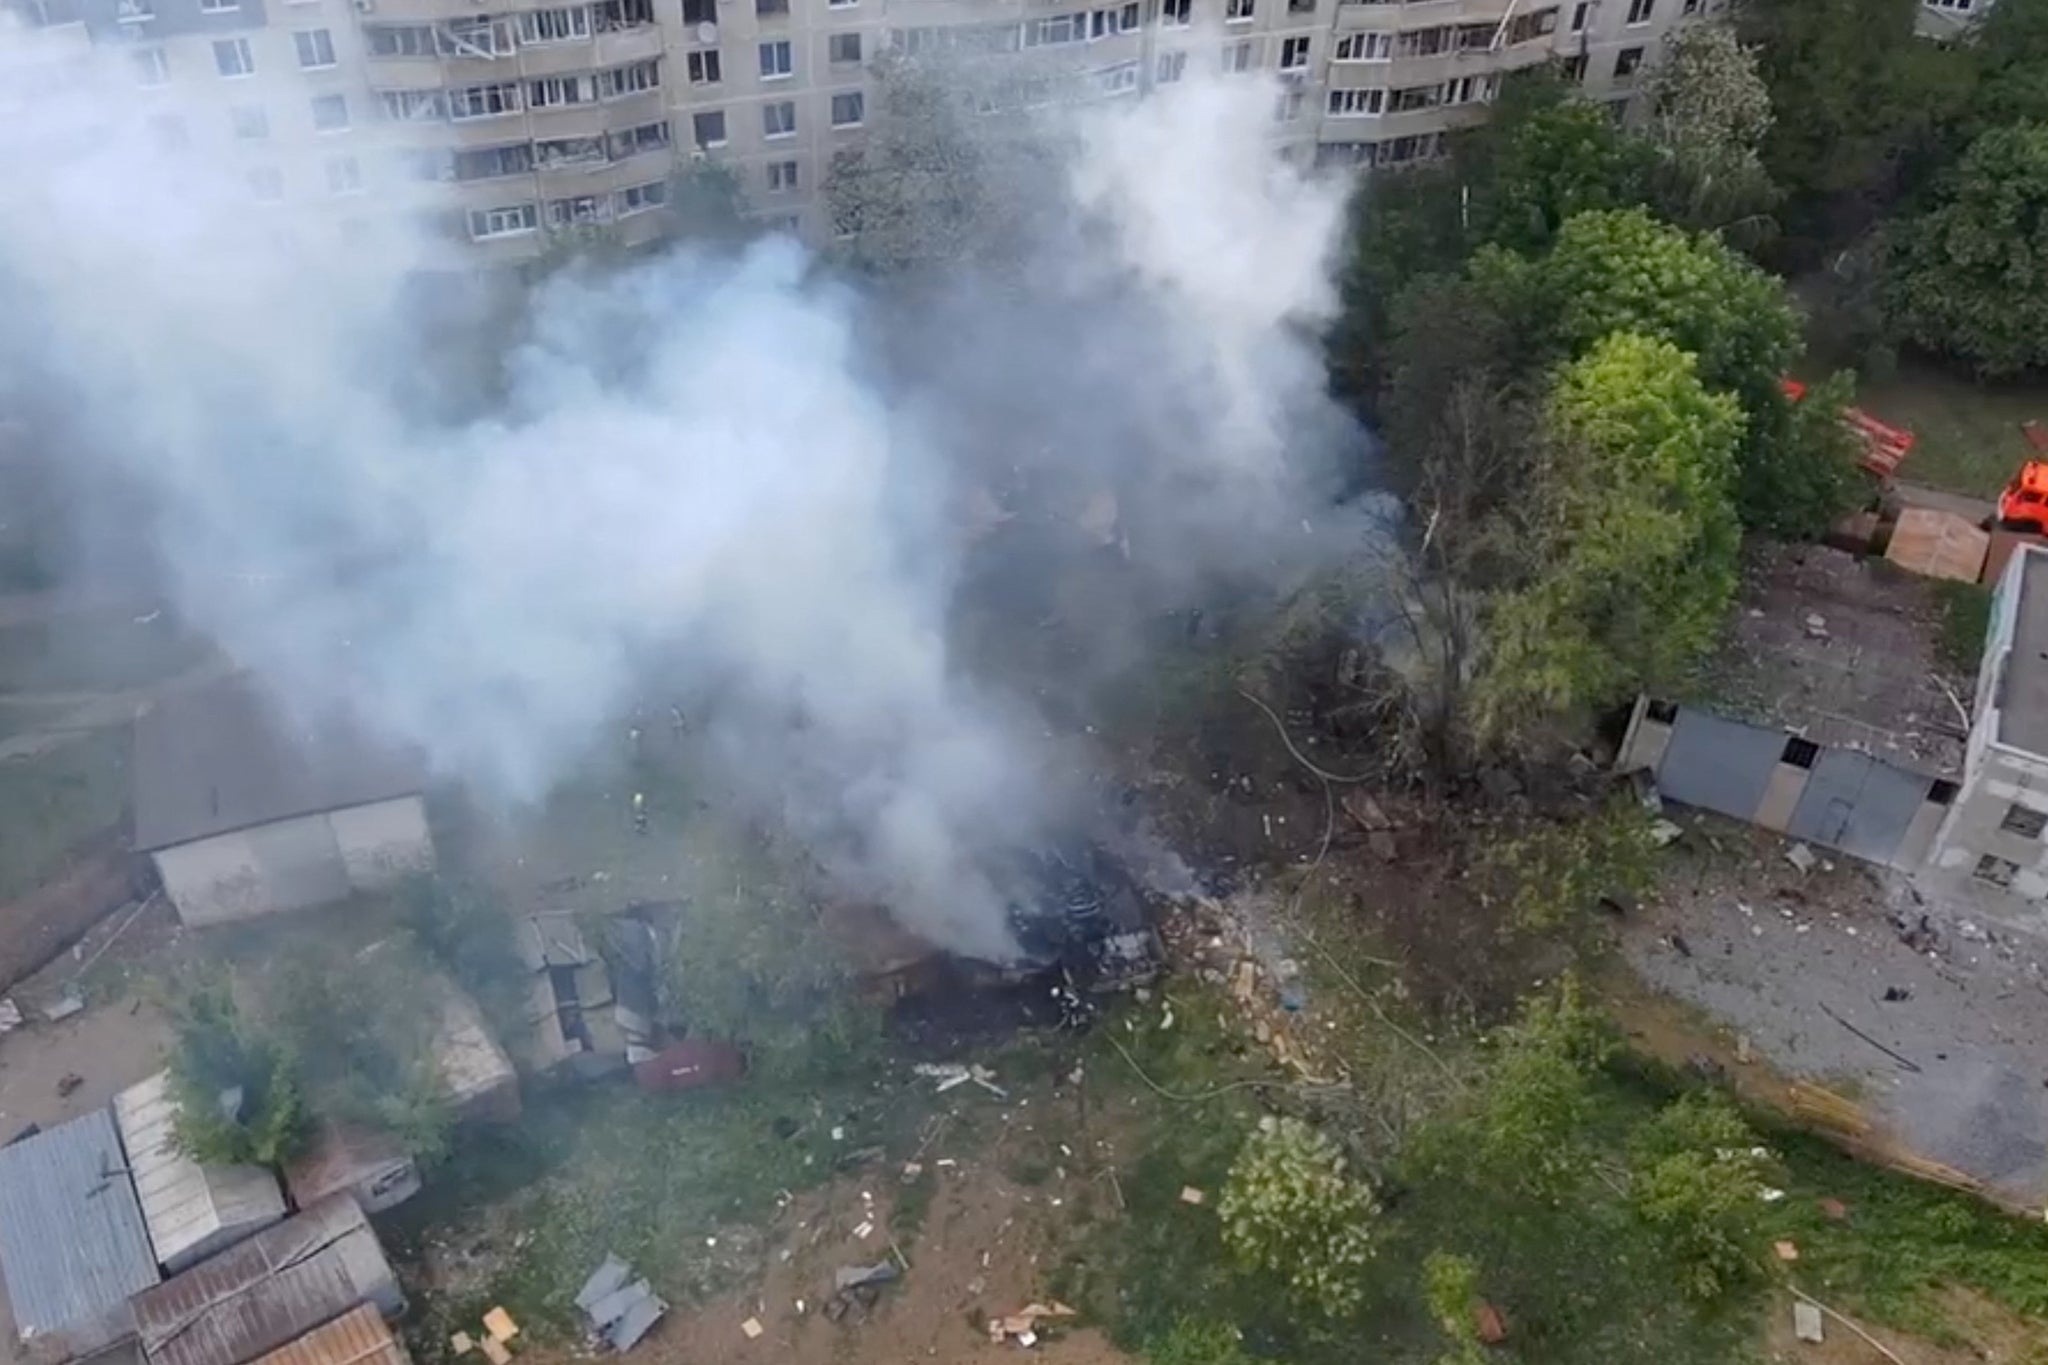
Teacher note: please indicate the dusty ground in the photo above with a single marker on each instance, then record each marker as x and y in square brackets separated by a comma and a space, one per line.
[1798, 964]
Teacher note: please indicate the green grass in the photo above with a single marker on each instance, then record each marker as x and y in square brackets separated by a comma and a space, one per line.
[1965, 621]
[1969, 433]
[54, 801]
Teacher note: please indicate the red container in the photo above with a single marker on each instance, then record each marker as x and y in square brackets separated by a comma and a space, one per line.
[689, 1064]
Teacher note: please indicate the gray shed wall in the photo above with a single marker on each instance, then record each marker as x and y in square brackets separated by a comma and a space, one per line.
[294, 864]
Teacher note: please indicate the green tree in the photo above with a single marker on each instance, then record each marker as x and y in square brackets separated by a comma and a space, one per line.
[1450, 1285]
[1293, 1210]
[1709, 112]
[1969, 277]
[1196, 1342]
[1697, 1179]
[1547, 158]
[1555, 872]
[1634, 536]
[2010, 51]
[237, 1093]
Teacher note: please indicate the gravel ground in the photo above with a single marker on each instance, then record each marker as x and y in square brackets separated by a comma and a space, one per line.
[1792, 961]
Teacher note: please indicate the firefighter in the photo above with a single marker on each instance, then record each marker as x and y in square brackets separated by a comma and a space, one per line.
[639, 812]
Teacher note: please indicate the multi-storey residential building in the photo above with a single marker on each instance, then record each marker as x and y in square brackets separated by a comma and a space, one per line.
[499, 121]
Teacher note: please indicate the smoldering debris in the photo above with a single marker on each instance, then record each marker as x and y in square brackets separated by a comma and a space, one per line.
[701, 459]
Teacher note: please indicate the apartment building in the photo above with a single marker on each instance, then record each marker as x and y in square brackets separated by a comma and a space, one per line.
[497, 123]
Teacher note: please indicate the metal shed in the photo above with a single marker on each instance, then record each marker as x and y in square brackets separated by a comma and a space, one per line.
[191, 1210]
[266, 1292]
[358, 1337]
[369, 1165]
[72, 1243]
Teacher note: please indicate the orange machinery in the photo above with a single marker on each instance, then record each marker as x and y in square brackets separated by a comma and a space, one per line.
[2023, 506]
[1884, 445]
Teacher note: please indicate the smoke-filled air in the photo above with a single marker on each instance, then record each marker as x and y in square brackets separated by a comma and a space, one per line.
[731, 476]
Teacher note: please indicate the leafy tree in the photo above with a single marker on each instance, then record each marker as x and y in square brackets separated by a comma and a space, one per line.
[1709, 112]
[1556, 872]
[1633, 532]
[707, 204]
[1697, 1181]
[1196, 1342]
[2010, 51]
[1861, 103]
[1969, 277]
[1450, 1284]
[1551, 157]
[237, 1094]
[1811, 475]
[1403, 228]
[1292, 1209]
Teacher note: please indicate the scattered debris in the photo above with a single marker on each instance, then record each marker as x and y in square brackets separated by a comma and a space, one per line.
[1190, 1195]
[1745, 1052]
[1770, 1194]
[865, 1229]
[461, 1343]
[948, 1075]
[1907, 1062]
[67, 1083]
[496, 1351]
[10, 1015]
[1023, 1324]
[1834, 1209]
[619, 1308]
[752, 1328]
[1806, 1323]
[1678, 943]
[68, 1004]
[1801, 857]
[854, 1276]
[1816, 626]
[500, 1325]
[1665, 832]
[1786, 1251]
[1488, 1323]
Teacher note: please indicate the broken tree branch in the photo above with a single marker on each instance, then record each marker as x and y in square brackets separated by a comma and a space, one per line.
[1900, 1058]
[1374, 1005]
[1962, 715]
[1299, 757]
[1849, 1323]
[1198, 1097]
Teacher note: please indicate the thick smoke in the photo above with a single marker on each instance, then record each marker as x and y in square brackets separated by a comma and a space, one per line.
[726, 477]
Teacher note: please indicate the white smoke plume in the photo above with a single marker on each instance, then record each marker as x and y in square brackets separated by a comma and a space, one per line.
[702, 461]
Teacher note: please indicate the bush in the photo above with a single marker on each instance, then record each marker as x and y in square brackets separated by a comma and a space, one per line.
[237, 1095]
[1196, 1342]
[1291, 1209]
[1450, 1284]
[1554, 873]
[1698, 1178]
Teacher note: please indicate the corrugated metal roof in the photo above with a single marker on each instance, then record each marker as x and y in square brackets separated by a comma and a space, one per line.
[278, 1285]
[72, 1244]
[191, 1210]
[358, 1337]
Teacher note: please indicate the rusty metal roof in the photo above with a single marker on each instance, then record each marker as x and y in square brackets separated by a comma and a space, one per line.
[72, 1242]
[358, 1337]
[263, 1293]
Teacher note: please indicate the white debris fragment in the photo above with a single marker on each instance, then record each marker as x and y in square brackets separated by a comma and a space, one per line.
[1801, 857]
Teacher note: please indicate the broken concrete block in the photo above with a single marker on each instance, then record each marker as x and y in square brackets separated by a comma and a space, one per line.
[1806, 1324]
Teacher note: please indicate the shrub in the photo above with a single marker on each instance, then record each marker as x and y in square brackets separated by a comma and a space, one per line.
[1698, 1178]
[237, 1095]
[1290, 1208]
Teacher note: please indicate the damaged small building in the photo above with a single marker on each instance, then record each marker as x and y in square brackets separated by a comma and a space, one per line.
[191, 1211]
[1830, 721]
[245, 814]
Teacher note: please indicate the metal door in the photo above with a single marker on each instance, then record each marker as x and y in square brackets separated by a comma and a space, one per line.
[1857, 804]
[1718, 765]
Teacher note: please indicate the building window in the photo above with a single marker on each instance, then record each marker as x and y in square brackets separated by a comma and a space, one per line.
[1941, 791]
[1301, 6]
[1293, 54]
[1574, 69]
[1800, 753]
[648, 137]
[316, 48]
[1626, 62]
[841, 4]
[1639, 11]
[1663, 712]
[843, 49]
[1172, 66]
[251, 122]
[1355, 103]
[150, 66]
[1176, 13]
[1365, 47]
[628, 80]
[768, 8]
[1238, 11]
[777, 60]
[513, 220]
[782, 175]
[266, 184]
[640, 198]
[1690, 8]
[408, 106]
[330, 113]
[849, 109]
[778, 119]
[703, 67]
[1237, 58]
[2028, 824]
[344, 175]
[231, 57]
[483, 101]
[542, 26]
[583, 208]
[492, 163]
[399, 40]
[1288, 107]
[219, 6]
[708, 128]
[1997, 871]
[1579, 13]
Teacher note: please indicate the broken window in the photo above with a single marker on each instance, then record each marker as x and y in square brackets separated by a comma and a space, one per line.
[628, 80]
[1800, 753]
[510, 220]
[483, 101]
[708, 127]
[584, 208]
[486, 38]
[1941, 791]
[540, 26]
[639, 198]
[1176, 13]
[488, 163]
[648, 137]
[700, 11]
[618, 14]
[405, 106]
[2028, 824]
[150, 66]
[1293, 54]
[778, 119]
[848, 109]
[1365, 47]
[1997, 871]
[1627, 61]
[231, 57]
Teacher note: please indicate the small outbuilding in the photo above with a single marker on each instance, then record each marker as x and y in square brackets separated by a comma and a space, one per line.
[72, 1243]
[190, 1210]
[358, 1337]
[244, 812]
[369, 1166]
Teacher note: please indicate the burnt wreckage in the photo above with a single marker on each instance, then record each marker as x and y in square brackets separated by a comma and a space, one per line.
[1083, 929]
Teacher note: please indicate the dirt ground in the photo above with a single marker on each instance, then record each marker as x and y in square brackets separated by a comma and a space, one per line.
[1831, 977]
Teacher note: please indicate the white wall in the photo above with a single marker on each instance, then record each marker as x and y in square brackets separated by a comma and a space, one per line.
[292, 864]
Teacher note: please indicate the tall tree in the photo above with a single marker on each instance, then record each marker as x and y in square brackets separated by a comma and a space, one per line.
[1634, 533]
[1969, 277]
[1709, 112]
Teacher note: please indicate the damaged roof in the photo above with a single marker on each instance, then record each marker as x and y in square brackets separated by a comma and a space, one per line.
[1841, 651]
[358, 1337]
[72, 1242]
[219, 757]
